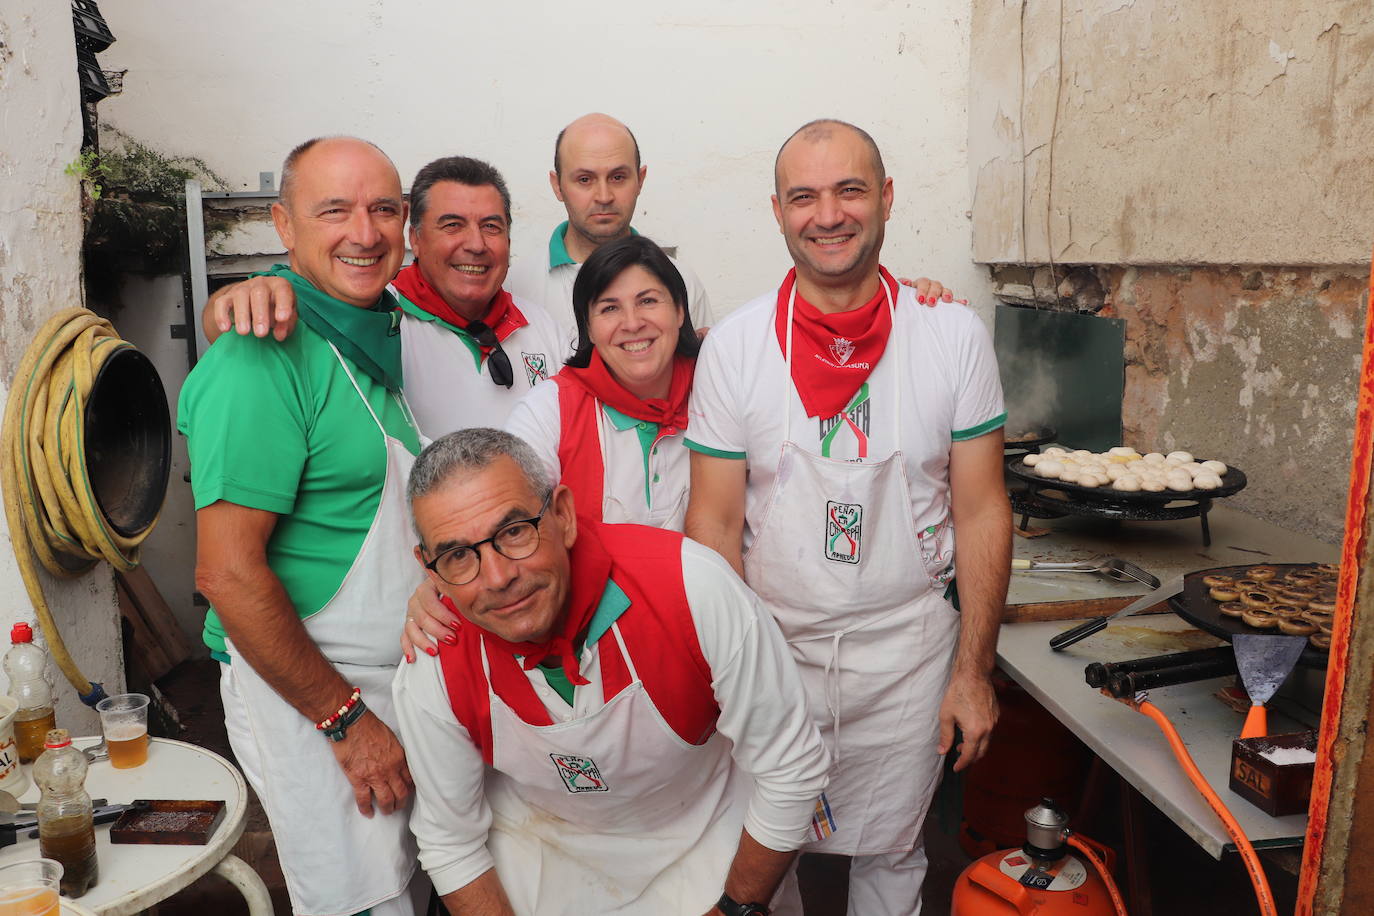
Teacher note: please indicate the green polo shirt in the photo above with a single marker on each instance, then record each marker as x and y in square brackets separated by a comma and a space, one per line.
[279, 427]
[614, 603]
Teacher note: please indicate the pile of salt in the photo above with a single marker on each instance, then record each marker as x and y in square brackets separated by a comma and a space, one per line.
[1286, 756]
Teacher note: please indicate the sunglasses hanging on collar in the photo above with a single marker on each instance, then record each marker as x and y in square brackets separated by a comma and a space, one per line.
[498, 363]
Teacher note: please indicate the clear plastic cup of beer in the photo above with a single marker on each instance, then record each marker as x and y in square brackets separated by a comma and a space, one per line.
[124, 720]
[30, 888]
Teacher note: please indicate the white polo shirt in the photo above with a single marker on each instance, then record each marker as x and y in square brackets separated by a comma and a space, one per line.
[942, 358]
[446, 379]
[546, 276]
[644, 482]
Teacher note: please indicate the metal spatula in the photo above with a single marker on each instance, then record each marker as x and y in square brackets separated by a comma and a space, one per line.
[1264, 663]
[1108, 567]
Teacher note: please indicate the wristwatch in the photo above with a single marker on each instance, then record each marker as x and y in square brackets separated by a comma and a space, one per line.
[730, 908]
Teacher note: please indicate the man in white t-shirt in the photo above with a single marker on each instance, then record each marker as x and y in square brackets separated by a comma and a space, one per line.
[470, 349]
[597, 176]
[841, 434]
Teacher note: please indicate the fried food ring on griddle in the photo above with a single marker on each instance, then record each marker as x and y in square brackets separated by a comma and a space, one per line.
[1260, 619]
[1322, 607]
[1218, 581]
[1296, 594]
[1245, 584]
[1233, 609]
[1224, 594]
[1320, 641]
[1258, 599]
[1286, 611]
[1296, 627]
[1262, 573]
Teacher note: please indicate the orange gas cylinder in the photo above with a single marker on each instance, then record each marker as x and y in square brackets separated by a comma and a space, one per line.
[1042, 878]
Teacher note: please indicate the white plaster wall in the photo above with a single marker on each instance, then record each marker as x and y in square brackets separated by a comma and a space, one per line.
[40, 273]
[711, 89]
[1179, 132]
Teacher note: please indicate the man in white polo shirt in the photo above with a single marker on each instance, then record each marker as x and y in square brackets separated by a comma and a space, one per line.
[597, 176]
[847, 453]
[470, 349]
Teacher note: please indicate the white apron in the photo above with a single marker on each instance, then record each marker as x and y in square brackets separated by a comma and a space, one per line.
[612, 813]
[336, 861]
[858, 596]
[669, 516]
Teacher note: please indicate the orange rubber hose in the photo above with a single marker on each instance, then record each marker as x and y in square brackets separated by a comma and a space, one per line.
[1091, 855]
[1263, 895]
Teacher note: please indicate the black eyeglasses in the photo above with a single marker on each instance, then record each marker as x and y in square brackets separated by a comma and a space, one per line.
[514, 540]
[498, 363]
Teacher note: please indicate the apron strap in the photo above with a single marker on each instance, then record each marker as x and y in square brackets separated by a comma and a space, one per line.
[624, 652]
[354, 381]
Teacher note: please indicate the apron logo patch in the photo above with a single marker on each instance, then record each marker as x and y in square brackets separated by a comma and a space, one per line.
[843, 531]
[536, 367]
[579, 774]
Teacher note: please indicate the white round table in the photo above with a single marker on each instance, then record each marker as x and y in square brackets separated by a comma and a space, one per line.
[135, 876]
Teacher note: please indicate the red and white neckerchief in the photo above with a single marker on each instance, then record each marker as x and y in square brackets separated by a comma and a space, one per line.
[832, 355]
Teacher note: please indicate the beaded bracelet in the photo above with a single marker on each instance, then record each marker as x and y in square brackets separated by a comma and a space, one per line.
[329, 721]
[339, 730]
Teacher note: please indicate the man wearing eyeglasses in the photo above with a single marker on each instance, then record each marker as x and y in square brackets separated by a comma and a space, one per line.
[469, 348]
[617, 728]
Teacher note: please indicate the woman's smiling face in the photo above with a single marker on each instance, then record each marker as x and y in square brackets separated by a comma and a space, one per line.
[634, 325]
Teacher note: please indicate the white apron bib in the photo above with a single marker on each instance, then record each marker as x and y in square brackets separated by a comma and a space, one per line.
[837, 560]
[336, 861]
[612, 813]
[615, 512]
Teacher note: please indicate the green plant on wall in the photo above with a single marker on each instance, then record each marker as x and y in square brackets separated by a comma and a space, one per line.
[88, 169]
[134, 201]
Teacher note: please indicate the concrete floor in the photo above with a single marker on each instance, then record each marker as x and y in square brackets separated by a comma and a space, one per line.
[1182, 879]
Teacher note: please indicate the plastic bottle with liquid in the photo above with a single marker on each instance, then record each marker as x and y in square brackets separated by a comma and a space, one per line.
[66, 830]
[27, 667]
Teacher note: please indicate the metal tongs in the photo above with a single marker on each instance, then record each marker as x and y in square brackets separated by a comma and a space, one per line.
[1107, 567]
[13, 826]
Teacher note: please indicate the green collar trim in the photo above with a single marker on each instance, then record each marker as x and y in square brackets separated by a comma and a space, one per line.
[614, 603]
[648, 435]
[558, 247]
[414, 311]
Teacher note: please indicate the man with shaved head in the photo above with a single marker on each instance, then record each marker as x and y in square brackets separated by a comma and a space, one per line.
[847, 449]
[597, 176]
[299, 453]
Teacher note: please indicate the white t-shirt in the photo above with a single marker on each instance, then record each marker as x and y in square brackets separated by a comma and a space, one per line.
[762, 711]
[743, 397]
[536, 418]
[545, 275]
[449, 389]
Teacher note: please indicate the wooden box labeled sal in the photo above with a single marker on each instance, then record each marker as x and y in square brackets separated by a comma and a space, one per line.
[1274, 773]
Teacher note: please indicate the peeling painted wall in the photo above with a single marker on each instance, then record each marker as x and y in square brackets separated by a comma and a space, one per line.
[1165, 131]
[40, 273]
[711, 89]
[1255, 367]
[1131, 153]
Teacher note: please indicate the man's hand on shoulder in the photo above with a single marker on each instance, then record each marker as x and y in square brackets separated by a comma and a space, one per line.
[375, 763]
[970, 704]
[253, 306]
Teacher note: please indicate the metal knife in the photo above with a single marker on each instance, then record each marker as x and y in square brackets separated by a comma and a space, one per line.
[1089, 627]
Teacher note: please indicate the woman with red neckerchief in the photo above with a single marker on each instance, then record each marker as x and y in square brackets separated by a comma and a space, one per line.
[610, 426]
